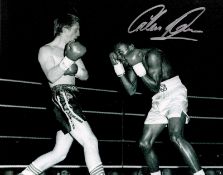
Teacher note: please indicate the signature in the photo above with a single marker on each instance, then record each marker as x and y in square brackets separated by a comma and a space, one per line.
[172, 30]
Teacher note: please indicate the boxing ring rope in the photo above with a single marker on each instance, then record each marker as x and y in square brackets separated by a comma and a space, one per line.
[104, 113]
[20, 81]
[95, 89]
[101, 140]
[111, 166]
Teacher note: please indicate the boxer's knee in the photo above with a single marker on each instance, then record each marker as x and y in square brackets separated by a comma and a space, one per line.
[145, 145]
[176, 139]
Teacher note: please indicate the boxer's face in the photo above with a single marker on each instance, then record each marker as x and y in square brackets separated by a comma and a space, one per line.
[73, 32]
[122, 50]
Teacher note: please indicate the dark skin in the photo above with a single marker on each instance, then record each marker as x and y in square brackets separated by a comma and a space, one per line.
[158, 69]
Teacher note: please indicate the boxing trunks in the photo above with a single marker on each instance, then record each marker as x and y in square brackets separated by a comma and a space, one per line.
[67, 110]
[169, 102]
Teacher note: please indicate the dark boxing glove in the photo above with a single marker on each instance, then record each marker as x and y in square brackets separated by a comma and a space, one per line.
[74, 50]
[134, 58]
[72, 70]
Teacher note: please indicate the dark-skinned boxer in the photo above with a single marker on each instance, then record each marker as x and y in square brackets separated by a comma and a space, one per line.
[169, 103]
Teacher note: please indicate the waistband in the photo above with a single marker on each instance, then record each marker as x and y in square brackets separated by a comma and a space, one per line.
[168, 86]
[172, 82]
[61, 87]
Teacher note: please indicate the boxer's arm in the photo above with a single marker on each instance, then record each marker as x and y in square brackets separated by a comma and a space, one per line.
[127, 77]
[129, 81]
[153, 78]
[53, 72]
[152, 75]
[82, 72]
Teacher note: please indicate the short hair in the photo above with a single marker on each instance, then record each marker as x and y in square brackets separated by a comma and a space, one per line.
[122, 43]
[67, 20]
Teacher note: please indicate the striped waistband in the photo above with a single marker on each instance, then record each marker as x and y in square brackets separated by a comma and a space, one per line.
[61, 87]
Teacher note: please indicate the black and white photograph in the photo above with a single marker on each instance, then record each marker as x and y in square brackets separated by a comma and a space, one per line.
[129, 87]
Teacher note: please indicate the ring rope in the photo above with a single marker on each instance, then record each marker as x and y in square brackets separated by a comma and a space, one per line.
[23, 137]
[20, 81]
[207, 118]
[205, 98]
[101, 140]
[112, 166]
[103, 112]
[100, 90]
[23, 107]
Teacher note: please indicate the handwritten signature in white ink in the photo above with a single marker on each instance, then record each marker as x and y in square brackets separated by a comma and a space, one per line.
[172, 29]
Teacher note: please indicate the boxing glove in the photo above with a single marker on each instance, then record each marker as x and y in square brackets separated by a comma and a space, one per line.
[72, 70]
[74, 50]
[118, 66]
[134, 58]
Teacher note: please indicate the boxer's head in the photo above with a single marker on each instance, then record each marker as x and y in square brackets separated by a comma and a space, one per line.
[122, 49]
[67, 25]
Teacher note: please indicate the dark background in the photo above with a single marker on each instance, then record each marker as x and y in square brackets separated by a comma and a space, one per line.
[27, 25]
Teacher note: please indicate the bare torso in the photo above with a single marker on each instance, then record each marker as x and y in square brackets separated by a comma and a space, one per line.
[65, 79]
[57, 54]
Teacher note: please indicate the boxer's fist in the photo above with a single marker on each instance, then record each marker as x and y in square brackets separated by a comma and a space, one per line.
[74, 50]
[134, 58]
[72, 70]
[114, 58]
[118, 66]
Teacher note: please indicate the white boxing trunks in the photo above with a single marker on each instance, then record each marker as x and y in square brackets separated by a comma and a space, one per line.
[169, 102]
